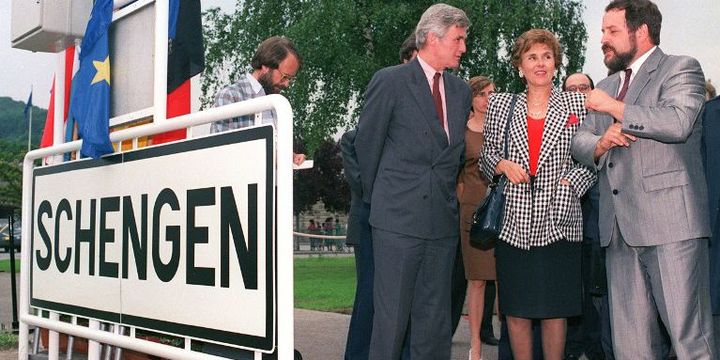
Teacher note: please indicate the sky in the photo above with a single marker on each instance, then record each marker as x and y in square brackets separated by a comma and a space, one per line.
[689, 28]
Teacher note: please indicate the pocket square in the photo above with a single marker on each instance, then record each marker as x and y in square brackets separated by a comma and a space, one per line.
[572, 120]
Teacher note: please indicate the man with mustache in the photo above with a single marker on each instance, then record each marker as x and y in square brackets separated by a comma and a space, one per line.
[643, 136]
[275, 64]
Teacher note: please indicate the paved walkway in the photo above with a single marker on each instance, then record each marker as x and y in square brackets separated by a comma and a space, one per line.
[318, 335]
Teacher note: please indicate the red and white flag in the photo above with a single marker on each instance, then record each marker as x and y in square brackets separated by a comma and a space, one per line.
[71, 67]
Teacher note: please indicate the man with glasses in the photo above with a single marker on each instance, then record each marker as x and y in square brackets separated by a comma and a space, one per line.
[275, 64]
[578, 82]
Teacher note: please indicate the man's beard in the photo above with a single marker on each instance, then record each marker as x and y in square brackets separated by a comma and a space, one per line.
[267, 84]
[620, 61]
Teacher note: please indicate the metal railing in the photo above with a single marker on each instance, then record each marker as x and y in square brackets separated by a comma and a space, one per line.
[284, 246]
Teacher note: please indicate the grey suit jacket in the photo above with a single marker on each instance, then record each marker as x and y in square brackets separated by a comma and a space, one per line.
[408, 166]
[656, 187]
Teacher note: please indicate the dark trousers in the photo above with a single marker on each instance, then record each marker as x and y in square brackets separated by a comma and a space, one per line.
[584, 332]
[360, 331]
[412, 286]
[458, 289]
[489, 308]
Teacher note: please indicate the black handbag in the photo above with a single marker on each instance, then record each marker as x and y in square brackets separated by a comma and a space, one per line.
[487, 220]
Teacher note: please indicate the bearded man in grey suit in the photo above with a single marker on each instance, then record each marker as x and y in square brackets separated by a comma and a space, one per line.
[409, 145]
[645, 145]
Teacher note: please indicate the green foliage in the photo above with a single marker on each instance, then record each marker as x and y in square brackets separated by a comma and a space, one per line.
[323, 182]
[343, 42]
[496, 25]
[5, 265]
[8, 340]
[325, 283]
[13, 126]
[11, 156]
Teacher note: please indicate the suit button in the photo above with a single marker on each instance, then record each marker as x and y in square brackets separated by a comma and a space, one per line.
[641, 127]
[424, 196]
[611, 165]
[633, 127]
[615, 191]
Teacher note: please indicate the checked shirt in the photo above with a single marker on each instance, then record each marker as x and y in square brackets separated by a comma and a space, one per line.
[245, 88]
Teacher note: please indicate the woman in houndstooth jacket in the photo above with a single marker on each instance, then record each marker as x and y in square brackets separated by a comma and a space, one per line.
[538, 257]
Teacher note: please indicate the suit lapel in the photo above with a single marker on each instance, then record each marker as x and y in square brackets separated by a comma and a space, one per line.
[518, 130]
[555, 121]
[643, 76]
[420, 89]
[456, 111]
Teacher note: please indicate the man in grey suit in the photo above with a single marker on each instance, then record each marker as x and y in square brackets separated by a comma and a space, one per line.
[643, 137]
[409, 145]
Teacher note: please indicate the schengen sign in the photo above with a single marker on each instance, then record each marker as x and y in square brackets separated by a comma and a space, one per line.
[177, 239]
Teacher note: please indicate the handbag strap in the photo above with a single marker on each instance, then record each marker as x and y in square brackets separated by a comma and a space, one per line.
[509, 121]
[501, 179]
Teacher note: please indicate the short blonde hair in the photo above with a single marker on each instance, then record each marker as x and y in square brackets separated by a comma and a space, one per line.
[532, 37]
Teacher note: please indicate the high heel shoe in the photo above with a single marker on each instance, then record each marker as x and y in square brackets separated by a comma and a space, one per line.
[470, 355]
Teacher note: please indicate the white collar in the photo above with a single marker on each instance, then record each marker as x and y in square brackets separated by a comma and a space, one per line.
[428, 69]
[635, 66]
[255, 85]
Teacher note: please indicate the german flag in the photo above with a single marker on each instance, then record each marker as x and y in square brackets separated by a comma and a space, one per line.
[186, 58]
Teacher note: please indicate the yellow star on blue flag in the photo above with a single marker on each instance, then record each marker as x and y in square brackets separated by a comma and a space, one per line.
[90, 99]
[103, 71]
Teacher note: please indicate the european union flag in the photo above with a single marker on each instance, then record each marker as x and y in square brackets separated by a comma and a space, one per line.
[90, 99]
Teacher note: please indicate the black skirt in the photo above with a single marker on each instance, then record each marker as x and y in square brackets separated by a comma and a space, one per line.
[540, 283]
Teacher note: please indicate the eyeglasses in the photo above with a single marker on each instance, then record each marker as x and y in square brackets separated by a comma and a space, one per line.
[285, 76]
[581, 88]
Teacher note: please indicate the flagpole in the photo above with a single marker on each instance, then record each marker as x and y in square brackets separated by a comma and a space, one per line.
[30, 123]
[30, 131]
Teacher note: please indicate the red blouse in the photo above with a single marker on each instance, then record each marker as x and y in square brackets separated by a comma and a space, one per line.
[535, 132]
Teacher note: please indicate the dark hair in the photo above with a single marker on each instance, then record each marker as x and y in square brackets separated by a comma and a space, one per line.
[272, 51]
[710, 90]
[532, 37]
[407, 48]
[477, 83]
[639, 12]
[564, 84]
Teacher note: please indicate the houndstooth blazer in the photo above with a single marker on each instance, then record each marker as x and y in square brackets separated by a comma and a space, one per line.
[545, 212]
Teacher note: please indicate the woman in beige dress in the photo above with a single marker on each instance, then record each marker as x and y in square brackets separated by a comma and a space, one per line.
[471, 189]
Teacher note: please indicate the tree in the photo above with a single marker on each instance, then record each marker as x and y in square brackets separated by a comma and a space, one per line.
[324, 182]
[343, 42]
[11, 157]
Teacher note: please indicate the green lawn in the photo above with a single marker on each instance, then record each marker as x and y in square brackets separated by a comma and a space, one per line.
[325, 283]
[321, 283]
[5, 265]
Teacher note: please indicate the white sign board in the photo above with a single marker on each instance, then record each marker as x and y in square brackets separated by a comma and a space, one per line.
[176, 239]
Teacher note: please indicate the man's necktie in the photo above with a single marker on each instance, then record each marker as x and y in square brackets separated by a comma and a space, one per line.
[624, 89]
[437, 98]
